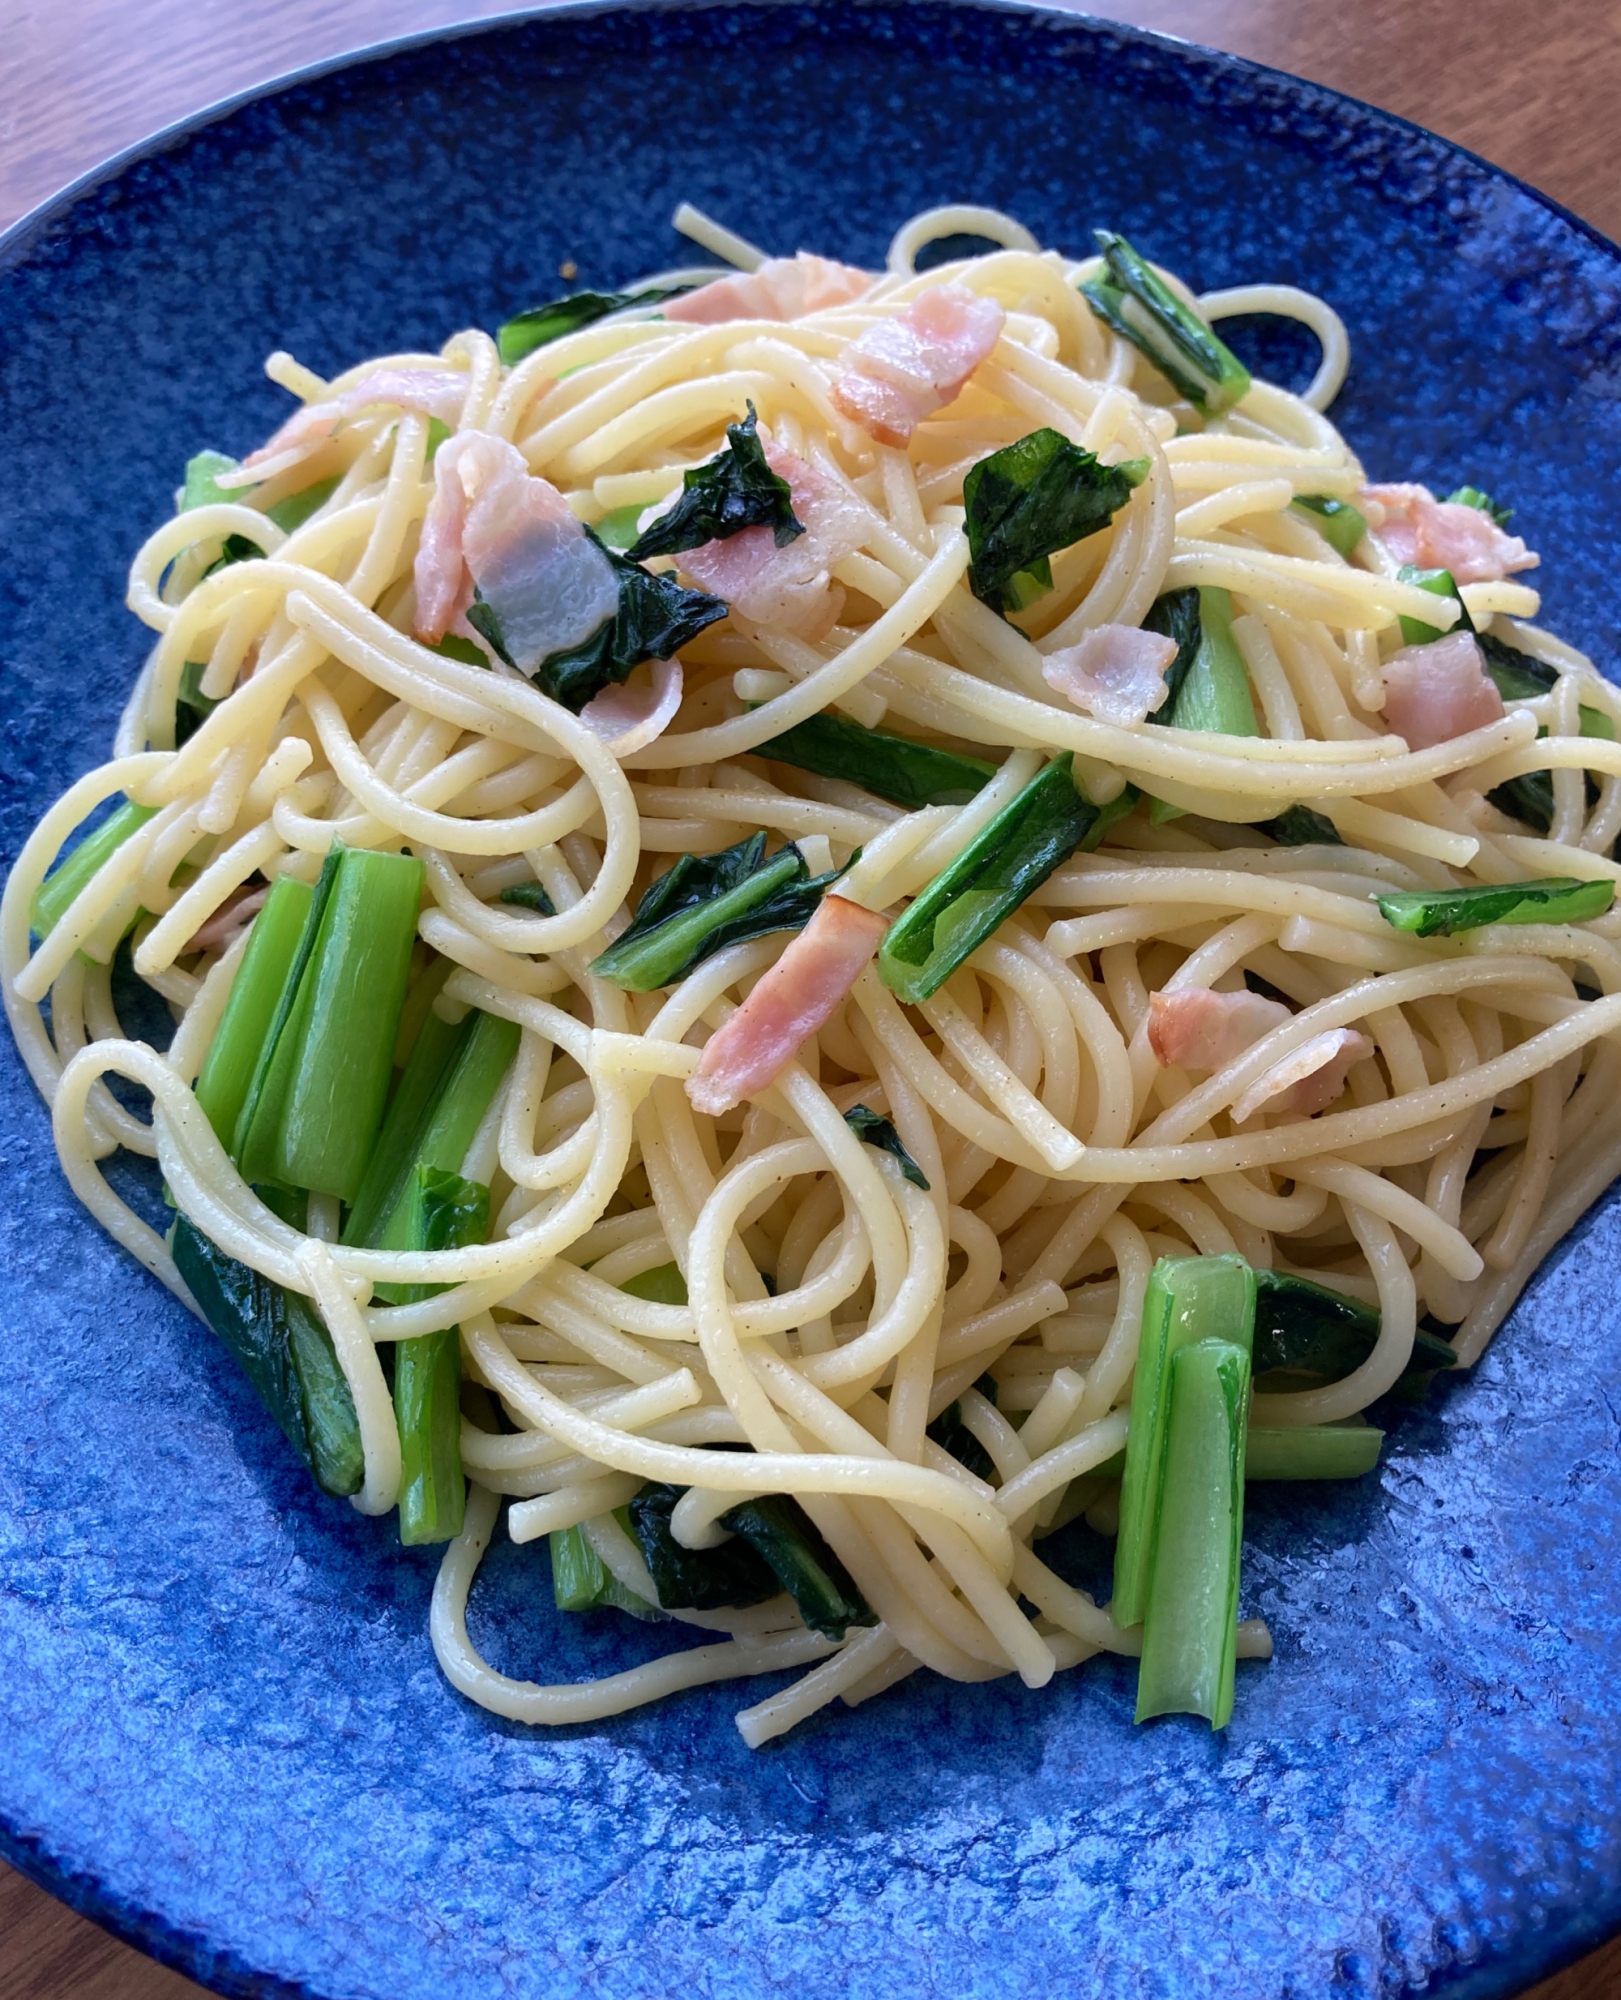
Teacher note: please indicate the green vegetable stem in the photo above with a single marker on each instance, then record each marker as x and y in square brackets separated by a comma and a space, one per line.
[1138, 304]
[703, 904]
[444, 1212]
[1337, 521]
[1471, 496]
[57, 894]
[244, 1028]
[1190, 1626]
[1034, 833]
[1311, 1451]
[1557, 899]
[1189, 1300]
[312, 1109]
[447, 1086]
[582, 1581]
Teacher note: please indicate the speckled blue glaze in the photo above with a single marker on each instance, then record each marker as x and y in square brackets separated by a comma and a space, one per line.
[222, 1731]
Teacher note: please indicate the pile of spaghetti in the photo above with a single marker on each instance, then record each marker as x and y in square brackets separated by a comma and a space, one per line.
[810, 914]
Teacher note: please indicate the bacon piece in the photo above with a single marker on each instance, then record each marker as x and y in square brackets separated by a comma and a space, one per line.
[782, 288]
[492, 523]
[1438, 691]
[788, 589]
[630, 715]
[1311, 1078]
[907, 367]
[1444, 534]
[1198, 1029]
[1116, 673]
[229, 921]
[431, 392]
[800, 994]
[1194, 1028]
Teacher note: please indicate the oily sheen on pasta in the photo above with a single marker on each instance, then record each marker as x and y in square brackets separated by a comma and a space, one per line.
[1239, 1016]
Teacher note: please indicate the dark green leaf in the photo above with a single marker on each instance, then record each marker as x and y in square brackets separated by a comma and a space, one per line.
[734, 491]
[695, 1579]
[1138, 304]
[235, 549]
[530, 896]
[1175, 616]
[486, 622]
[656, 617]
[1306, 1329]
[286, 1354]
[543, 324]
[1528, 799]
[874, 1130]
[192, 707]
[783, 1534]
[1559, 899]
[1033, 498]
[1299, 826]
[951, 1434]
[700, 906]
[897, 768]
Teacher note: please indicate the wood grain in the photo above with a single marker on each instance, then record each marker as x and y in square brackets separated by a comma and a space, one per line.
[1534, 88]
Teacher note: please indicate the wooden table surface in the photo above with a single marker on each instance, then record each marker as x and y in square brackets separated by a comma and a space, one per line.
[1534, 88]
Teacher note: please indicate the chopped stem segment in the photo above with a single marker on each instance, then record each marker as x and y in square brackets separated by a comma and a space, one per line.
[444, 1213]
[314, 1106]
[1137, 303]
[56, 895]
[1188, 1299]
[227, 1072]
[1556, 899]
[1311, 1451]
[1190, 1631]
[1034, 833]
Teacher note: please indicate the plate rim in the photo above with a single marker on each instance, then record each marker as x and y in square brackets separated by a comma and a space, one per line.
[19, 236]
[149, 1931]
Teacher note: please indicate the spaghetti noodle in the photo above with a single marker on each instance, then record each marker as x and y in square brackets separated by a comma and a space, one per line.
[1409, 1116]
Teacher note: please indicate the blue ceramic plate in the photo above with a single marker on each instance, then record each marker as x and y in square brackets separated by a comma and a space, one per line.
[222, 1731]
